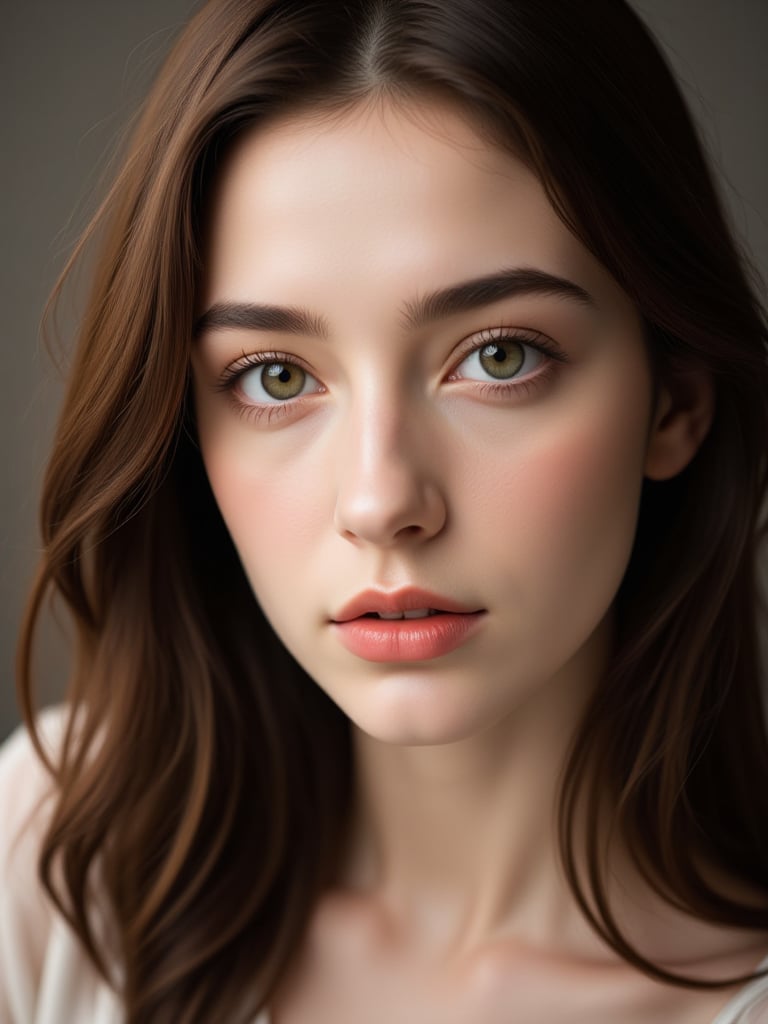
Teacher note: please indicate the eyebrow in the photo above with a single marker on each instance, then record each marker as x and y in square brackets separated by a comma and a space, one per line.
[437, 305]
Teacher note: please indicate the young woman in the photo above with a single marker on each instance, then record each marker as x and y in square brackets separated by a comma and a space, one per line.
[406, 500]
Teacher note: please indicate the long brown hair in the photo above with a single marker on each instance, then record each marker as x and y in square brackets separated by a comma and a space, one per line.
[205, 780]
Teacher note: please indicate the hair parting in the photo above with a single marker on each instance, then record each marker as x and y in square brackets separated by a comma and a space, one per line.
[204, 782]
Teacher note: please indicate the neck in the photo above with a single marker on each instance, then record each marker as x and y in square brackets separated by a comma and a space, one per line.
[459, 841]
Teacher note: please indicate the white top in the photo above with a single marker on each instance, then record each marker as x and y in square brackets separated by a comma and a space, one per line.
[45, 978]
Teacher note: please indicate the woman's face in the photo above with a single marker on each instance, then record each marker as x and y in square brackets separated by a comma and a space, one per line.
[452, 397]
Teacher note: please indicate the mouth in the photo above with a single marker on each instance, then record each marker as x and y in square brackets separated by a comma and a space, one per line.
[416, 613]
[407, 603]
[408, 625]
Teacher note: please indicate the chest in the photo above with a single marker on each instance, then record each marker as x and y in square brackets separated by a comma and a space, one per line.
[326, 989]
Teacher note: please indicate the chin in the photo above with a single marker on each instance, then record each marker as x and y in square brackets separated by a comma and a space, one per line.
[408, 712]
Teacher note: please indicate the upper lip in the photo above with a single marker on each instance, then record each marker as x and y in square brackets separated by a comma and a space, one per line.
[405, 600]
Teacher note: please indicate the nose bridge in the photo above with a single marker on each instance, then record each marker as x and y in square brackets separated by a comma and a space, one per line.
[378, 428]
[385, 487]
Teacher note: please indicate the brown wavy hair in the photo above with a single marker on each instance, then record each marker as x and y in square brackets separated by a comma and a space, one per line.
[205, 780]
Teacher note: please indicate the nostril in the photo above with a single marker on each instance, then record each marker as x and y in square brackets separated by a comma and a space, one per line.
[389, 507]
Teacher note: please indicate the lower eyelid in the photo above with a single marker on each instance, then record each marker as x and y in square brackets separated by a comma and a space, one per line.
[248, 400]
[229, 380]
[525, 385]
[543, 358]
[267, 412]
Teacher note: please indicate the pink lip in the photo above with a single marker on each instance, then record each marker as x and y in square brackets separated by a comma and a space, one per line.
[388, 640]
[406, 600]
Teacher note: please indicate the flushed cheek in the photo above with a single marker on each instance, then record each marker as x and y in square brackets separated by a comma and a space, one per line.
[272, 506]
[567, 507]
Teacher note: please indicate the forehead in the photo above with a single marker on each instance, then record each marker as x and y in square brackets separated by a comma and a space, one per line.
[370, 153]
[406, 195]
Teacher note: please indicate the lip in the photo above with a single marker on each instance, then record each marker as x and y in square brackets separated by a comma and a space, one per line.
[407, 599]
[399, 640]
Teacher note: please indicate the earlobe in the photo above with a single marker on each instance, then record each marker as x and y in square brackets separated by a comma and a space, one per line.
[682, 420]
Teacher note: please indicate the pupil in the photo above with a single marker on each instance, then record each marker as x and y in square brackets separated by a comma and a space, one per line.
[502, 360]
[283, 380]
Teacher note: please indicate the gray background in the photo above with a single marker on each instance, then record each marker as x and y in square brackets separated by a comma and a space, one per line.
[71, 74]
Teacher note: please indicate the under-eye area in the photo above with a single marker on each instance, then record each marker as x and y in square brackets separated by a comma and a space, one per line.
[412, 576]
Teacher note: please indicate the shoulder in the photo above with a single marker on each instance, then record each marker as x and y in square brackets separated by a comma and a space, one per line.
[26, 915]
[750, 1005]
[24, 779]
[27, 792]
[42, 969]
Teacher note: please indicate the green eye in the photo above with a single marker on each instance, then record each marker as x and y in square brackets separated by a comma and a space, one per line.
[508, 360]
[281, 380]
[502, 359]
[278, 381]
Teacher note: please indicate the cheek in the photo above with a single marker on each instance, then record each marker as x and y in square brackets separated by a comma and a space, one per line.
[567, 503]
[267, 497]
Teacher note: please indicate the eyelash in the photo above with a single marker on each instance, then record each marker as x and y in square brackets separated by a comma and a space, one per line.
[528, 385]
[530, 339]
[236, 370]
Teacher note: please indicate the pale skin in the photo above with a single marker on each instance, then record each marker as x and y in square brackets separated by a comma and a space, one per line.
[396, 466]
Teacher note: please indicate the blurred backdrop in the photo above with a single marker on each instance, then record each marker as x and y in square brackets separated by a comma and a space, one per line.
[71, 76]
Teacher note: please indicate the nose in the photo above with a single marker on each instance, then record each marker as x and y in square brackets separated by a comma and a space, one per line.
[388, 490]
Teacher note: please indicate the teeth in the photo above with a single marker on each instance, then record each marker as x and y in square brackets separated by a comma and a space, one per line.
[417, 613]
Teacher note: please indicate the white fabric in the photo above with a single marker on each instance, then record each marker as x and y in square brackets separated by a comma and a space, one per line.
[45, 978]
[750, 1006]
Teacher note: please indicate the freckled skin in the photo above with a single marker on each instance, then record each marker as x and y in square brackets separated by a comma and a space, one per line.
[390, 472]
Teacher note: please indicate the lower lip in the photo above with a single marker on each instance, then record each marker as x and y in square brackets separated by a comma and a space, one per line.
[406, 639]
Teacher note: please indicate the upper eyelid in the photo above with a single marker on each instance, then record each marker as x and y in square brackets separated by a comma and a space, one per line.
[525, 335]
[487, 335]
[250, 360]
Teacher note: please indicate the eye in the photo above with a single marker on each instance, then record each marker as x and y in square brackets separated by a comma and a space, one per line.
[274, 382]
[504, 357]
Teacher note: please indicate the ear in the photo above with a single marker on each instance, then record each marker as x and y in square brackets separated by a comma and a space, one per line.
[683, 416]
